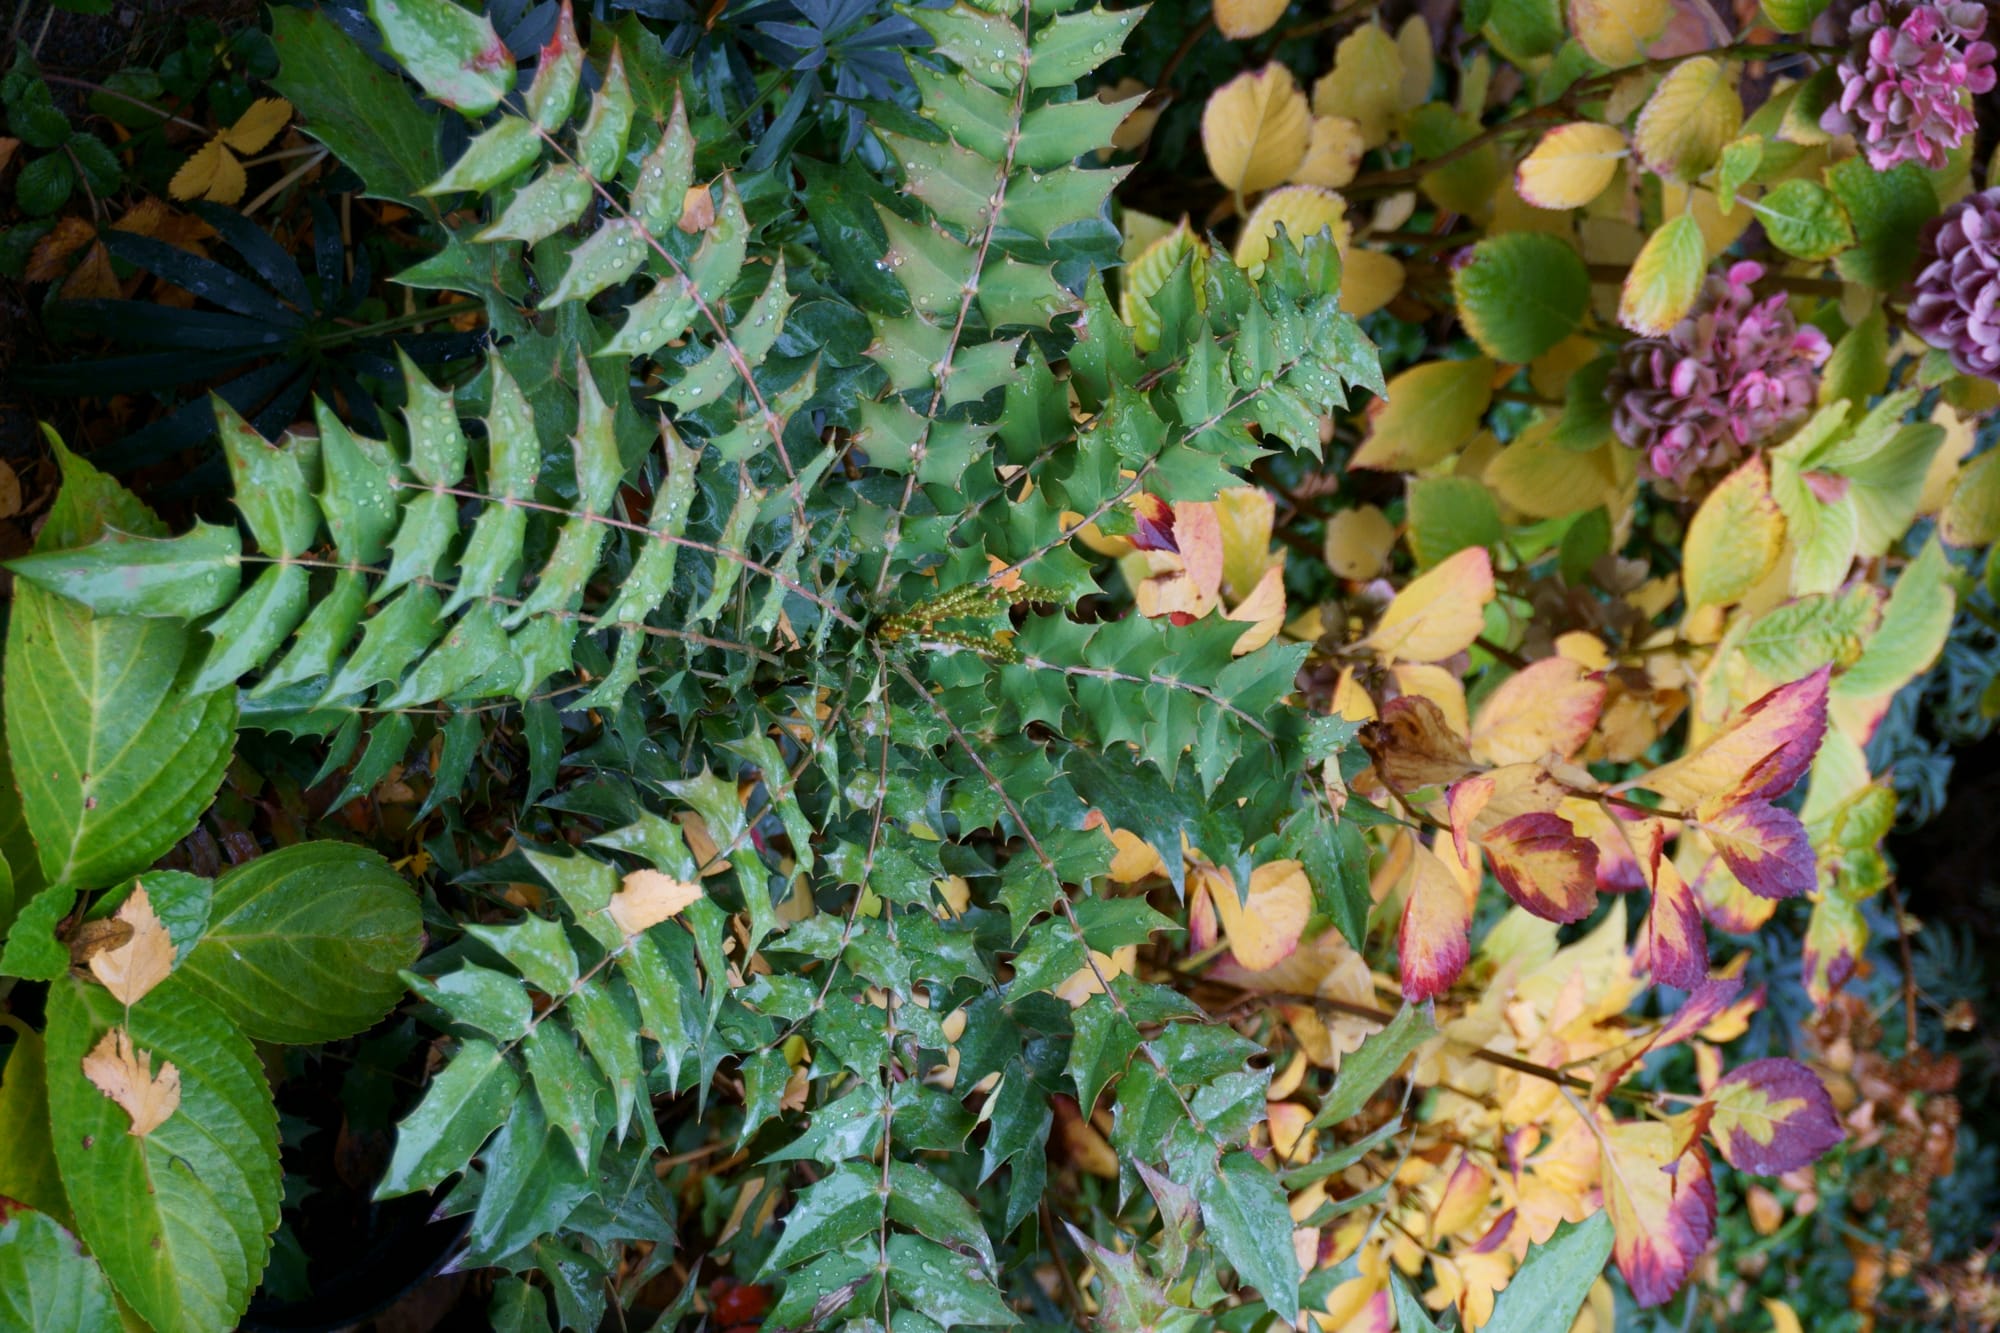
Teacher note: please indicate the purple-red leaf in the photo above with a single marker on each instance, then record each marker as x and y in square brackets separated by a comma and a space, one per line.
[1765, 846]
[1761, 754]
[1772, 1116]
[1662, 1206]
[1545, 866]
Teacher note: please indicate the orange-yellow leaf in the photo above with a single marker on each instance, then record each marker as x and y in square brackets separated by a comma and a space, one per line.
[1440, 613]
[126, 1076]
[1263, 929]
[1369, 280]
[143, 960]
[1255, 129]
[1665, 278]
[1263, 610]
[1571, 165]
[1242, 19]
[1430, 411]
[1358, 542]
[649, 897]
[1548, 707]
[1332, 154]
[1762, 752]
[258, 125]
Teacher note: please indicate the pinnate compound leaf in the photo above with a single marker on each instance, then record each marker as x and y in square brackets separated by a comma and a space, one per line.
[455, 54]
[305, 944]
[1244, 1210]
[1553, 1282]
[1571, 165]
[127, 1077]
[1375, 1062]
[1665, 278]
[180, 1218]
[1662, 1207]
[1772, 1116]
[47, 1283]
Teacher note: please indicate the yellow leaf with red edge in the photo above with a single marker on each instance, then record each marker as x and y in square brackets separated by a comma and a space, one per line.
[1571, 165]
[1548, 707]
[1689, 117]
[648, 897]
[1735, 539]
[1772, 1116]
[143, 960]
[1662, 1207]
[1429, 412]
[125, 1075]
[1675, 942]
[1466, 1193]
[1665, 279]
[1433, 941]
[1760, 753]
[1619, 32]
[1264, 928]
[1255, 129]
[1303, 210]
[1544, 866]
[1439, 613]
[1239, 20]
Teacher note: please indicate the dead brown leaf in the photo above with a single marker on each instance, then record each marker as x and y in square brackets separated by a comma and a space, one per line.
[48, 260]
[649, 897]
[142, 961]
[126, 1076]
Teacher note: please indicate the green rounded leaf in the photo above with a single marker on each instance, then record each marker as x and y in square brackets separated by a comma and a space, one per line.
[1521, 293]
[181, 1219]
[305, 944]
[47, 1283]
[1803, 219]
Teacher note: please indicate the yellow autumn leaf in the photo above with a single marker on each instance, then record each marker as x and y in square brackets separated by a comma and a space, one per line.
[1735, 538]
[649, 897]
[213, 173]
[1571, 165]
[1541, 479]
[1148, 273]
[1263, 610]
[1365, 84]
[1719, 230]
[1358, 542]
[1241, 19]
[1255, 129]
[1304, 210]
[1783, 1318]
[1244, 516]
[258, 125]
[1264, 927]
[1431, 411]
[1665, 278]
[126, 1076]
[1332, 153]
[143, 960]
[1440, 613]
[1689, 117]
[1413, 43]
[1619, 32]
[1369, 280]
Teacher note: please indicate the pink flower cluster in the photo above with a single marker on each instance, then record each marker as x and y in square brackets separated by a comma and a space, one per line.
[1902, 84]
[1956, 306]
[1726, 377]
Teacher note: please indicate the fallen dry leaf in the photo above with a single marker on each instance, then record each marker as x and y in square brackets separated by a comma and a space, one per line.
[143, 960]
[649, 897]
[126, 1076]
[46, 262]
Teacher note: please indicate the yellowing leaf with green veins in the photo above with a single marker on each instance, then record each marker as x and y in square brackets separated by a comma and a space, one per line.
[127, 1077]
[1439, 613]
[1255, 129]
[648, 897]
[1665, 278]
[1430, 411]
[1303, 210]
[1571, 165]
[1365, 84]
[1689, 118]
[1619, 32]
[143, 960]
[1735, 539]
[1242, 19]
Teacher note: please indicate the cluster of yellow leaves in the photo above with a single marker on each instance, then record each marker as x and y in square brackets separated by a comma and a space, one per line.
[214, 172]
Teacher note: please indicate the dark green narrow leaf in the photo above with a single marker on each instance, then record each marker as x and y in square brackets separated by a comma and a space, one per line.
[1247, 1217]
[1380, 1056]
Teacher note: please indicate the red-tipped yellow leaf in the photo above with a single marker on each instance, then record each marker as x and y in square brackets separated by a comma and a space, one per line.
[1765, 847]
[1434, 942]
[1762, 752]
[1544, 866]
[1662, 1222]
